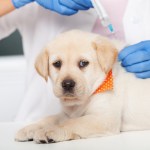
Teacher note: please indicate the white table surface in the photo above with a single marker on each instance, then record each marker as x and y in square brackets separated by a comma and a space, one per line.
[139, 140]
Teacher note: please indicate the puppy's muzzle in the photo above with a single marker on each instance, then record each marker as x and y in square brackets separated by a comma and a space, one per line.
[68, 85]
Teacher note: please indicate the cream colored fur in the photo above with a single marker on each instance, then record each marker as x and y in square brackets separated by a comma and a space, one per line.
[85, 115]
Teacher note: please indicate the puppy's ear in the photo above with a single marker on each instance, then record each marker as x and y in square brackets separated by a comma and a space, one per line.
[106, 53]
[42, 64]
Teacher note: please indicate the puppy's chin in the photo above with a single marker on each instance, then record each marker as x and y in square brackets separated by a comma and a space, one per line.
[70, 101]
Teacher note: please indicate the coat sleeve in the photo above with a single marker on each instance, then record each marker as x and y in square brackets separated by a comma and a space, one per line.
[9, 23]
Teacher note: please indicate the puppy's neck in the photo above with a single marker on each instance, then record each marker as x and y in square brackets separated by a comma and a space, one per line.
[75, 110]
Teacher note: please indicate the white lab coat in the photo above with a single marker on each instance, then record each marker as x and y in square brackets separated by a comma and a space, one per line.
[37, 27]
[137, 21]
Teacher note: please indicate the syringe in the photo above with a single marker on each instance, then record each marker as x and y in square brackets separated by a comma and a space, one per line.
[103, 16]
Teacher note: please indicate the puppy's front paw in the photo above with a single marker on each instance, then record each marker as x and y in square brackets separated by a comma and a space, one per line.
[61, 134]
[45, 135]
[54, 135]
[27, 133]
[40, 137]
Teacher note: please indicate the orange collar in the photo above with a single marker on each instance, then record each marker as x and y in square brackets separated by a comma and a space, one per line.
[106, 85]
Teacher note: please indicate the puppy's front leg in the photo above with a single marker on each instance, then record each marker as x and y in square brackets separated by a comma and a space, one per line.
[28, 132]
[83, 127]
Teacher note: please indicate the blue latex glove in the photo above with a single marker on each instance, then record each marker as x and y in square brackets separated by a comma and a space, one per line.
[65, 7]
[136, 59]
[20, 3]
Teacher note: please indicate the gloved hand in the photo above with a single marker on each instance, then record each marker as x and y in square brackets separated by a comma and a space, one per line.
[20, 3]
[136, 59]
[65, 7]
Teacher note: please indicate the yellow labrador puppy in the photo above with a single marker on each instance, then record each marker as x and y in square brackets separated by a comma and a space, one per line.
[98, 97]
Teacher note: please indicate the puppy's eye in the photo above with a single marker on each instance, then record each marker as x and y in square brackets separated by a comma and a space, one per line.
[83, 63]
[57, 64]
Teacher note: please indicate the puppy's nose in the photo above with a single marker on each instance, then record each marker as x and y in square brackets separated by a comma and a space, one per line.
[68, 85]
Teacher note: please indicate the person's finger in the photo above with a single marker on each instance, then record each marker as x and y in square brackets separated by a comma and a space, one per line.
[131, 49]
[63, 9]
[66, 11]
[136, 57]
[143, 75]
[139, 67]
[84, 3]
[73, 5]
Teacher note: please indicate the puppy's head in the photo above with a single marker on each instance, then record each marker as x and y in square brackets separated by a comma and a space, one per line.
[76, 62]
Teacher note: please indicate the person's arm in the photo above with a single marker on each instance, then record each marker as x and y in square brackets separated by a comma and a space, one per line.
[6, 6]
